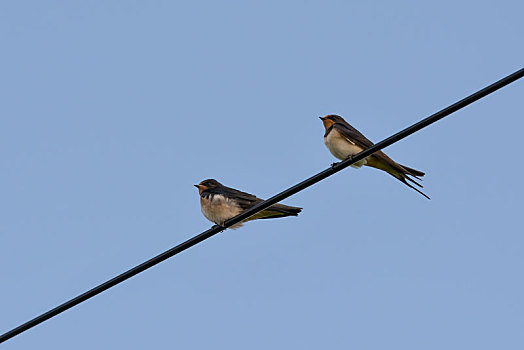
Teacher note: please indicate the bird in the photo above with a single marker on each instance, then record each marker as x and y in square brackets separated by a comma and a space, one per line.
[344, 141]
[220, 203]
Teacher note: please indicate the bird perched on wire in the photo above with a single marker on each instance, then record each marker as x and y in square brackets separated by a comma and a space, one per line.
[220, 203]
[344, 141]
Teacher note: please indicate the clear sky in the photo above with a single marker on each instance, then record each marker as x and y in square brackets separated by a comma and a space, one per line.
[111, 110]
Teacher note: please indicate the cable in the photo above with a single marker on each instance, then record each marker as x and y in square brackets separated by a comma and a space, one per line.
[263, 205]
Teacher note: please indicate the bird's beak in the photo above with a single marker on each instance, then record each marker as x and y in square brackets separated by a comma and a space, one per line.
[197, 186]
[322, 118]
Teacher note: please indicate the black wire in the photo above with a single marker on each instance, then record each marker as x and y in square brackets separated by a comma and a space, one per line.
[263, 205]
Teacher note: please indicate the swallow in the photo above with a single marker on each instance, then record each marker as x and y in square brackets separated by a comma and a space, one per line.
[220, 203]
[344, 141]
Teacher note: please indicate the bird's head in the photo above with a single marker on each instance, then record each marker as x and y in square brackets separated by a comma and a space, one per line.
[331, 119]
[207, 184]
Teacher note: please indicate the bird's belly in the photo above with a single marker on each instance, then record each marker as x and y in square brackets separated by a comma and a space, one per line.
[342, 148]
[218, 209]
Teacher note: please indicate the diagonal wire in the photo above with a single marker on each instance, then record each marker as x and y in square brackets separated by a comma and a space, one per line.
[263, 205]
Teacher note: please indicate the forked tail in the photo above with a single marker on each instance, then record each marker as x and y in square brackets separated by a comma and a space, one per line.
[404, 176]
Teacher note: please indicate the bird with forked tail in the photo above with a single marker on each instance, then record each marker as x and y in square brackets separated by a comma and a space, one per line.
[220, 203]
[344, 141]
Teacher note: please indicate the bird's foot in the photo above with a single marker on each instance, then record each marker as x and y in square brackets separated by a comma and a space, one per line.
[218, 227]
[334, 164]
[349, 158]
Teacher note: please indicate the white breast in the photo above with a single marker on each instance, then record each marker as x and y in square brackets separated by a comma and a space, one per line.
[342, 148]
[218, 208]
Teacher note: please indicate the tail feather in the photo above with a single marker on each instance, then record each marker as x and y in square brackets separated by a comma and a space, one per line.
[413, 181]
[285, 209]
[400, 172]
[403, 180]
[413, 172]
[277, 211]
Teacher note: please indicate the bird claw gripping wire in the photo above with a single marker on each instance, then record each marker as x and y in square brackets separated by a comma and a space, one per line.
[337, 163]
[334, 164]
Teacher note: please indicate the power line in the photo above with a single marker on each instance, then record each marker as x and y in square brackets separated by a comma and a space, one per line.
[263, 205]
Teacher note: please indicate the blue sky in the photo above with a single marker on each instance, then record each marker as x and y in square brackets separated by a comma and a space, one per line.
[112, 110]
